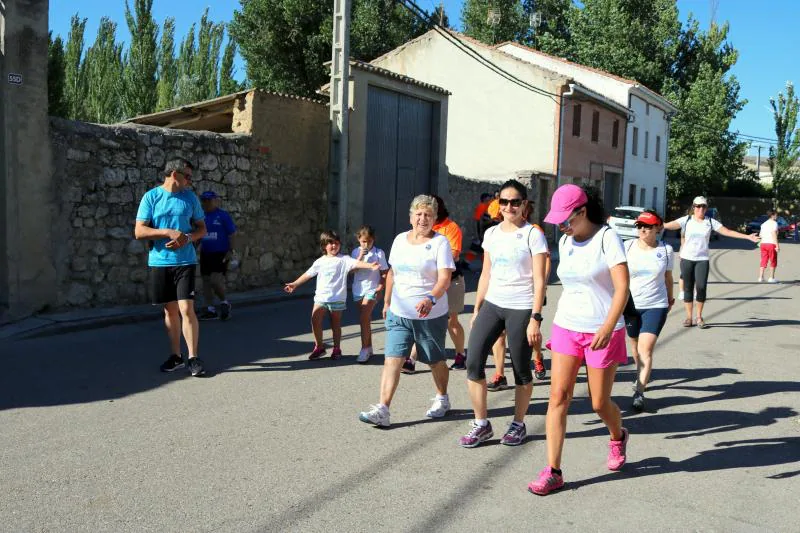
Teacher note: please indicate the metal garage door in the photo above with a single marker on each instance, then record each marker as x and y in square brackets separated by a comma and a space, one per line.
[398, 161]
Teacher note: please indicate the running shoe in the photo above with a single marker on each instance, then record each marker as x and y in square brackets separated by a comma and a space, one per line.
[377, 415]
[638, 401]
[460, 363]
[760, 280]
[515, 435]
[772, 280]
[439, 408]
[477, 434]
[497, 383]
[547, 482]
[539, 371]
[336, 353]
[208, 314]
[318, 352]
[364, 355]
[224, 311]
[408, 366]
[617, 450]
[172, 364]
[196, 367]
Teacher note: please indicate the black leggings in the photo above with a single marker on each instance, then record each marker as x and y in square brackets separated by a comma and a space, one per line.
[695, 275]
[488, 326]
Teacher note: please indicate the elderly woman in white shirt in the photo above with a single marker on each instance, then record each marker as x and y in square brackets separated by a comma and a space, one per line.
[415, 308]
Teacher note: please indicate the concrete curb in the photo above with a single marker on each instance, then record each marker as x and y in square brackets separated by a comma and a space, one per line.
[46, 325]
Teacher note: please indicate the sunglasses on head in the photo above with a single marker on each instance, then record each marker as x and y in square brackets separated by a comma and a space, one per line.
[701, 206]
[516, 202]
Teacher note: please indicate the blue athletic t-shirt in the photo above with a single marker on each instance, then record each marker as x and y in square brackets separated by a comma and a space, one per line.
[170, 210]
[220, 227]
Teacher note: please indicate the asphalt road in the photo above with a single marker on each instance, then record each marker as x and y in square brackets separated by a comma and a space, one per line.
[94, 438]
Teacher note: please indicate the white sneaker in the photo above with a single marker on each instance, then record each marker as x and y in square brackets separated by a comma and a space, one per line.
[772, 280]
[760, 280]
[364, 355]
[376, 415]
[439, 408]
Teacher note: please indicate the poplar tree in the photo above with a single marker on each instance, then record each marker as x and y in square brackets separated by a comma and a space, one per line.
[139, 95]
[74, 80]
[56, 100]
[103, 71]
[783, 157]
[494, 21]
[167, 67]
[227, 83]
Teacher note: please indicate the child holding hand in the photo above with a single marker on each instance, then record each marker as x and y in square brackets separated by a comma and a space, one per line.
[331, 295]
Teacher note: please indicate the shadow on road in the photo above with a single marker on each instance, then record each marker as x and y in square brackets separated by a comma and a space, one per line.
[749, 453]
[754, 323]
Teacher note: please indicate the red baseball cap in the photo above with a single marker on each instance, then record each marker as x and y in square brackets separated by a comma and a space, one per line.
[565, 200]
[651, 219]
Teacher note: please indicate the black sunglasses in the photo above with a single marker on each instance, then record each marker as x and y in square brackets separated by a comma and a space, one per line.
[516, 202]
[640, 226]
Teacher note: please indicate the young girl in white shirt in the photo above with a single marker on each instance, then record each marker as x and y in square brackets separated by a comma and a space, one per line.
[331, 295]
[367, 285]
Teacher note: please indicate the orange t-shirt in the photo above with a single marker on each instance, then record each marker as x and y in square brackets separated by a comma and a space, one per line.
[494, 209]
[450, 229]
[480, 209]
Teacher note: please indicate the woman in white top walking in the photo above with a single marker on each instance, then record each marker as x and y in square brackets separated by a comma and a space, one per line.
[415, 308]
[650, 265]
[510, 297]
[697, 230]
[587, 325]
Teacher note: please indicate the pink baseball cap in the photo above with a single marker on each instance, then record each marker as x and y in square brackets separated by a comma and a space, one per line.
[564, 201]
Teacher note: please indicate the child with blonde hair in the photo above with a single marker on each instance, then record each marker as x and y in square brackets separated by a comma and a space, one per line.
[331, 295]
[367, 285]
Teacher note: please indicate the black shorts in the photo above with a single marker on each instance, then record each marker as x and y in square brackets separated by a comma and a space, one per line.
[212, 262]
[170, 284]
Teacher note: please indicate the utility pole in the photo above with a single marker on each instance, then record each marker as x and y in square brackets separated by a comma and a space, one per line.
[340, 110]
[758, 164]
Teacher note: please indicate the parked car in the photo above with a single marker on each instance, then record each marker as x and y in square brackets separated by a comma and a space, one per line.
[622, 221]
[784, 227]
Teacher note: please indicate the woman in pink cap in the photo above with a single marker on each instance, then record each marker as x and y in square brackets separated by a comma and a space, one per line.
[587, 325]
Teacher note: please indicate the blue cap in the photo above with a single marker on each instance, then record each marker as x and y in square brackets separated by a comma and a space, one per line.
[208, 195]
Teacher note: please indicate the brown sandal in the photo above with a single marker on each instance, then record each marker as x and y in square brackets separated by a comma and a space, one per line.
[701, 323]
[687, 322]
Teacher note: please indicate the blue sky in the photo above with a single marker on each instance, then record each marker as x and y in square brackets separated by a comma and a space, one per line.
[765, 34]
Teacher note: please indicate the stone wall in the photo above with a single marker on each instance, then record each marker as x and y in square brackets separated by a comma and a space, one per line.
[101, 172]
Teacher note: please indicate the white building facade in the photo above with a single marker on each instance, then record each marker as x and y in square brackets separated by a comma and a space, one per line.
[644, 180]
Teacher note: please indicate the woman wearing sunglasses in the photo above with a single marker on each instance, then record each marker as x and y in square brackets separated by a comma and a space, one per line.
[587, 325]
[697, 230]
[650, 265]
[510, 297]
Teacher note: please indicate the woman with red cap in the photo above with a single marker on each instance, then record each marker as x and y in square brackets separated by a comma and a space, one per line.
[587, 325]
[697, 230]
[650, 266]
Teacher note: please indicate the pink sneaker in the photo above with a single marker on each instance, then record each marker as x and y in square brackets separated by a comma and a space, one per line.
[547, 482]
[318, 352]
[336, 353]
[616, 451]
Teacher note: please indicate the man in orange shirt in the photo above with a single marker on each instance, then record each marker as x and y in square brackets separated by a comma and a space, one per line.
[479, 215]
[455, 294]
[493, 210]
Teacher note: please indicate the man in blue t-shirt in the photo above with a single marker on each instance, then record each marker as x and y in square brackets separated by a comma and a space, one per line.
[216, 251]
[170, 216]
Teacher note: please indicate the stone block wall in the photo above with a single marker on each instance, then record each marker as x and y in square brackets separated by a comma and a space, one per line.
[101, 173]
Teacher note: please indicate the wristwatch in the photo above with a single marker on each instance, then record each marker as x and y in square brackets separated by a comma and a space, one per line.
[432, 298]
[537, 317]
[188, 237]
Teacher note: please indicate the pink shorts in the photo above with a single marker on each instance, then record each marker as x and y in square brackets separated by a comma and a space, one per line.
[577, 344]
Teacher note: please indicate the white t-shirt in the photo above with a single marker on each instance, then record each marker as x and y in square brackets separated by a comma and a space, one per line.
[511, 254]
[331, 275]
[697, 234]
[365, 280]
[647, 269]
[416, 270]
[584, 271]
[767, 231]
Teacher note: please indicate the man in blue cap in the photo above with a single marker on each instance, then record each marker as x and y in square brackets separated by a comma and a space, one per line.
[216, 252]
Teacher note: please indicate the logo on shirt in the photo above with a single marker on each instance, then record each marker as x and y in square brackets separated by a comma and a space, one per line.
[519, 235]
[427, 246]
[659, 255]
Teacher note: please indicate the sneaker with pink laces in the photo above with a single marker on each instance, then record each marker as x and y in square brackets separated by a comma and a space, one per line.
[616, 451]
[336, 353]
[318, 352]
[547, 482]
